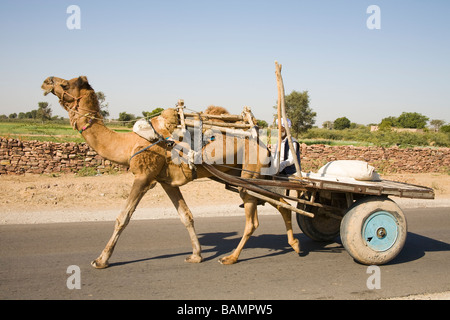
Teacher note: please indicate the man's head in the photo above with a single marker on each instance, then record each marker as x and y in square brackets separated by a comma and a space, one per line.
[283, 130]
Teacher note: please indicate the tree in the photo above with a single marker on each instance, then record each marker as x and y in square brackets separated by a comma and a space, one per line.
[32, 114]
[44, 112]
[103, 106]
[445, 128]
[328, 125]
[299, 112]
[154, 112]
[262, 123]
[437, 124]
[126, 117]
[387, 123]
[412, 120]
[341, 123]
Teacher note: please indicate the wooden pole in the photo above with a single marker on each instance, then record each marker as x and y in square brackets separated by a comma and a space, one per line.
[278, 114]
[190, 122]
[180, 107]
[281, 105]
[281, 204]
[224, 117]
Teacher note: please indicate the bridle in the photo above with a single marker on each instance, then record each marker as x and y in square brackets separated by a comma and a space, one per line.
[74, 108]
[76, 101]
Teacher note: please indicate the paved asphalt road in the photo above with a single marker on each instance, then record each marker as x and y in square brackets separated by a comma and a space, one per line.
[148, 262]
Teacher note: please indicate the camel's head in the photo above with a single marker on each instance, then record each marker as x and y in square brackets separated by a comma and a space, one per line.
[66, 90]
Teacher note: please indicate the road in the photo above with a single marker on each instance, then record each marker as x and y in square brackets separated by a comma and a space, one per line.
[148, 262]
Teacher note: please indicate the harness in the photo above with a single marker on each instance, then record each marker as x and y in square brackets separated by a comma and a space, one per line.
[168, 142]
[74, 108]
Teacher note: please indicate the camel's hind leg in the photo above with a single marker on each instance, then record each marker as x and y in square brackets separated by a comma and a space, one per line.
[187, 219]
[140, 186]
[251, 223]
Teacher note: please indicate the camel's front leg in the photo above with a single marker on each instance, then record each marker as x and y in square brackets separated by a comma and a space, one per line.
[251, 223]
[139, 188]
[186, 217]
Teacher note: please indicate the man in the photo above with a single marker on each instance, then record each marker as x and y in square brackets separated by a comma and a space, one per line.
[287, 165]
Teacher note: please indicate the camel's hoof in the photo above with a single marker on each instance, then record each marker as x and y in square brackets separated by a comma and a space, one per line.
[98, 265]
[194, 258]
[227, 260]
[296, 246]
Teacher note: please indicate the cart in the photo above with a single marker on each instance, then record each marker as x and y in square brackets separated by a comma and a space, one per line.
[372, 227]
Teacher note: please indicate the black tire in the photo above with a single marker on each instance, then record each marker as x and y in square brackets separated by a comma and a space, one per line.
[321, 228]
[374, 230]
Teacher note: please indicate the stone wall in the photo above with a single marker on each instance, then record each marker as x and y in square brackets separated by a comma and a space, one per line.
[385, 160]
[19, 157]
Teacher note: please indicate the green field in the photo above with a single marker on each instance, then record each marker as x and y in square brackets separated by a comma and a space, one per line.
[61, 131]
[50, 131]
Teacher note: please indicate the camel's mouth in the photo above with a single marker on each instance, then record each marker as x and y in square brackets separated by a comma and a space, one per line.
[48, 86]
[47, 91]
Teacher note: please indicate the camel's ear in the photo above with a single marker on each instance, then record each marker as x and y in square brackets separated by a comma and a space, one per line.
[82, 80]
[82, 83]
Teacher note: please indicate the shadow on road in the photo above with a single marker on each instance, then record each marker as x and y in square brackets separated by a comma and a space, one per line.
[219, 244]
[417, 246]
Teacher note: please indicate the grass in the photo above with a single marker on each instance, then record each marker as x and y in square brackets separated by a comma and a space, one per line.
[363, 136]
[50, 131]
[35, 128]
[87, 172]
[62, 132]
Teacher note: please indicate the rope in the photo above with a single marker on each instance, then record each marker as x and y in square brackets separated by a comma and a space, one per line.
[115, 121]
[147, 147]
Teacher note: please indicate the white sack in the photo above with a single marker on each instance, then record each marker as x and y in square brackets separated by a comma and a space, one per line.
[358, 170]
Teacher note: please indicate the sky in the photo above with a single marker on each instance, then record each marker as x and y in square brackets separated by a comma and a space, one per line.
[149, 54]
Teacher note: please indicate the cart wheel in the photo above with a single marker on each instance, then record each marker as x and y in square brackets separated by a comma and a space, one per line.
[321, 227]
[374, 230]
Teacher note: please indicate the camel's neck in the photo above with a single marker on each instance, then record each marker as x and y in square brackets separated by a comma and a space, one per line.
[116, 147]
[109, 144]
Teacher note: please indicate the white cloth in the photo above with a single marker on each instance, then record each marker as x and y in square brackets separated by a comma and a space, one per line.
[289, 160]
[145, 130]
[289, 123]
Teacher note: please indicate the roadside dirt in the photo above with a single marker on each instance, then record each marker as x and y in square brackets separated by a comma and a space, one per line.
[70, 195]
[41, 193]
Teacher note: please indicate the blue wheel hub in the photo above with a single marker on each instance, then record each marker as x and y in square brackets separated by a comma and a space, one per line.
[380, 231]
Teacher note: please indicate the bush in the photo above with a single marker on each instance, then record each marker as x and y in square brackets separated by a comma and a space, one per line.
[384, 138]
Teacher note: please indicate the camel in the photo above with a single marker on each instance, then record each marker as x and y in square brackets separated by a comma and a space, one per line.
[151, 166]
